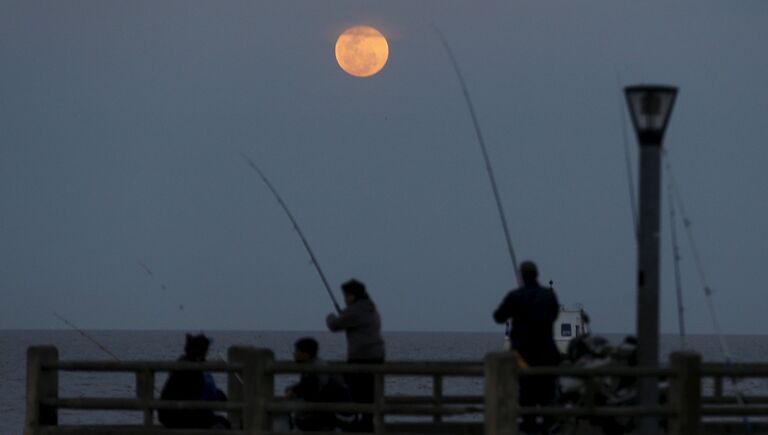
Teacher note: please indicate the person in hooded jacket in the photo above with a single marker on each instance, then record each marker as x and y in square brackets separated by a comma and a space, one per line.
[192, 385]
[361, 323]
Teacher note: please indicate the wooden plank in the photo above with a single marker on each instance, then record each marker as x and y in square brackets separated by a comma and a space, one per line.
[235, 386]
[42, 385]
[130, 430]
[426, 368]
[718, 386]
[601, 411]
[597, 371]
[685, 394]
[137, 366]
[145, 390]
[437, 393]
[738, 370]
[298, 406]
[733, 400]
[378, 403]
[446, 400]
[103, 403]
[732, 411]
[403, 409]
[258, 388]
[456, 428]
[501, 383]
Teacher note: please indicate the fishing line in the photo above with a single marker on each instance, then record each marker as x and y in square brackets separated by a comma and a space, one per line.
[481, 141]
[676, 262]
[152, 275]
[87, 336]
[628, 160]
[687, 224]
[295, 227]
[237, 375]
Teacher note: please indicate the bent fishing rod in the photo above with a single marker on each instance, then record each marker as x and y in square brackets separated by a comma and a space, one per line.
[481, 141]
[295, 227]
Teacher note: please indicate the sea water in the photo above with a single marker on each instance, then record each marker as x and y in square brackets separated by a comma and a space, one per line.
[168, 345]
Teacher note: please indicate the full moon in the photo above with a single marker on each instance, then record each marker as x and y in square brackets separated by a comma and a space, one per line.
[362, 51]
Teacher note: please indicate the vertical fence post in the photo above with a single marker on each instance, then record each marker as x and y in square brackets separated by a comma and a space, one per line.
[235, 387]
[378, 402]
[258, 388]
[718, 386]
[685, 394]
[437, 392]
[501, 404]
[145, 390]
[41, 384]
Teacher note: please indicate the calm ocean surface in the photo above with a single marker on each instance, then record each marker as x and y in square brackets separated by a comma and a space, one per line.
[167, 345]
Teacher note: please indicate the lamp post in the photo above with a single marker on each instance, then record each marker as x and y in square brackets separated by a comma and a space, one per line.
[650, 107]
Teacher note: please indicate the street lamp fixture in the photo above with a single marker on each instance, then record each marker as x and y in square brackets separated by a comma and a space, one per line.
[650, 107]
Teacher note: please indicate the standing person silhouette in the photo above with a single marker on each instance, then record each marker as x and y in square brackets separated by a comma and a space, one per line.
[533, 310]
[361, 323]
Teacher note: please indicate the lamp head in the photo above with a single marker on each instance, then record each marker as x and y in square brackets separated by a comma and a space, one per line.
[650, 108]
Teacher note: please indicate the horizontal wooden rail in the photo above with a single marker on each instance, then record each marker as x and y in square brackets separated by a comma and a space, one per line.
[399, 409]
[137, 366]
[741, 370]
[597, 371]
[388, 368]
[96, 403]
[420, 400]
[733, 411]
[733, 400]
[130, 430]
[337, 433]
[601, 411]
[448, 400]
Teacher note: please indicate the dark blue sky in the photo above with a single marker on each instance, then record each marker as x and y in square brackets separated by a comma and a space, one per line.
[121, 125]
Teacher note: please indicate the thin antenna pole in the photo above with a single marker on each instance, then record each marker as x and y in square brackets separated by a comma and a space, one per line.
[87, 336]
[295, 227]
[481, 141]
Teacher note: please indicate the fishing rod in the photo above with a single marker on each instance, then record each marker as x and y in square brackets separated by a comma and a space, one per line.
[295, 227]
[87, 336]
[152, 275]
[628, 161]
[237, 375]
[687, 225]
[676, 259]
[481, 141]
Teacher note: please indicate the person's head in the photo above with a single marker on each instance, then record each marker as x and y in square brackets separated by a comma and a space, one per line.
[305, 349]
[196, 347]
[529, 273]
[353, 291]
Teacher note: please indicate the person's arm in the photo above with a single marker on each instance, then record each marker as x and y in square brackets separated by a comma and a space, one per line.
[345, 320]
[505, 311]
[306, 388]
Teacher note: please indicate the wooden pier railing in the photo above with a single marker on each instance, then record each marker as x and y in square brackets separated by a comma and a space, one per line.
[252, 403]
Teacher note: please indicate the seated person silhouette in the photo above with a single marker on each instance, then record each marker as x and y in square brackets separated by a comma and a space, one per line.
[192, 385]
[317, 387]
